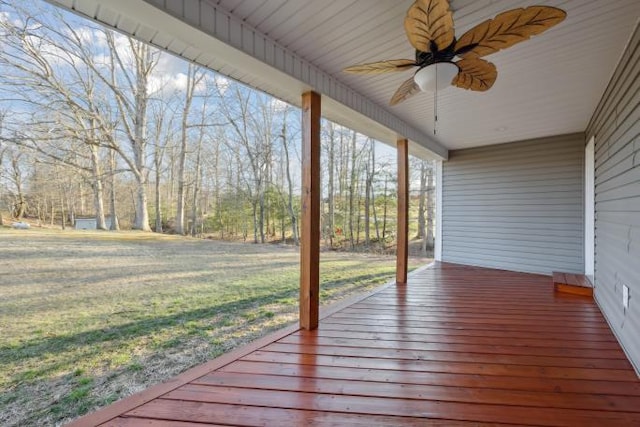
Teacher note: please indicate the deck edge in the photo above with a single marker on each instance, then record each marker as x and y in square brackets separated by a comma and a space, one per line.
[128, 403]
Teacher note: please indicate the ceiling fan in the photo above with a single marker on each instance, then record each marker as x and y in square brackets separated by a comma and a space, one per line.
[430, 30]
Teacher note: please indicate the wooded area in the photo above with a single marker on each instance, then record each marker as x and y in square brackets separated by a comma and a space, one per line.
[94, 123]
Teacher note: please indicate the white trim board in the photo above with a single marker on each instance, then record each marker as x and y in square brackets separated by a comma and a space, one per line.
[589, 210]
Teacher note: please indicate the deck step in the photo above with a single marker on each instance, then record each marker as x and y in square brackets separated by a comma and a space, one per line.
[569, 283]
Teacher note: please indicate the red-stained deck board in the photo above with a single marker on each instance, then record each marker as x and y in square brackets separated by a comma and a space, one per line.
[562, 341]
[450, 357]
[401, 407]
[466, 381]
[269, 381]
[455, 346]
[409, 365]
[244, 415]
[503, 347]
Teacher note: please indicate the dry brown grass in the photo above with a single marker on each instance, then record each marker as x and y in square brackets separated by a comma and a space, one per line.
[89, 317]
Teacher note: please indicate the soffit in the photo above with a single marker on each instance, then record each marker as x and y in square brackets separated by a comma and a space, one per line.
[549, 85]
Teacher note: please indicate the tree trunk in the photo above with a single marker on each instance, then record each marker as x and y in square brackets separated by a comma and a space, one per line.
[342, 163]
[62, 215]
[192, 81]
[358, 216]
[254, 206]
[421, 202]
[98, 191]
[430, 208]
[20, 206]
[182, 159]
[373, 193]
[142, 206]
[115, 224]
[196, 188]
[179, 227]
[384, 211]
[171, 184]
[331, 199]
[261, 217]
[352, 188]
[158, 196]
[144, 65]
[292, 214]
[367, 196]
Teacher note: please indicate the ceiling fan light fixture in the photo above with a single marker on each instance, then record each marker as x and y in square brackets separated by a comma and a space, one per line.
[430, 30]
[436, 76]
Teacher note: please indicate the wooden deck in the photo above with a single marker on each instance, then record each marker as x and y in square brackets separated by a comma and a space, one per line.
[456, 346]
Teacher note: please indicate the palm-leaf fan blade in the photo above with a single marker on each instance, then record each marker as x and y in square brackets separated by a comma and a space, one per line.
[427, 22]
[406, 90]
[380, 67]
[507, 29]
[475, 74]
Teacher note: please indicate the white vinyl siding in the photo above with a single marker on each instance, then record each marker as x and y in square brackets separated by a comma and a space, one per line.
[516, 206]
[616, 129]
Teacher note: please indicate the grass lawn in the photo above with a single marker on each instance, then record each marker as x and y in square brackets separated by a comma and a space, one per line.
[89, 317]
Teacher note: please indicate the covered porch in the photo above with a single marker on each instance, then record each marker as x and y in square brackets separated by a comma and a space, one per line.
[456, 345]
[538, 175]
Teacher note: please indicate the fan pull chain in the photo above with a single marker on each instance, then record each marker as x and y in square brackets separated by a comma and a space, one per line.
[435, 106]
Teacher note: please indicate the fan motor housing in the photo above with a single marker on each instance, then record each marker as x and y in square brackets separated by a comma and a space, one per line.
[426, 58]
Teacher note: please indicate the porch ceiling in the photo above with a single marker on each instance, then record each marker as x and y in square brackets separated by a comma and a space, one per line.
[549, 85]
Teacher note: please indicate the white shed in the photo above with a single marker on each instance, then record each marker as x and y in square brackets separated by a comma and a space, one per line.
[90, 223]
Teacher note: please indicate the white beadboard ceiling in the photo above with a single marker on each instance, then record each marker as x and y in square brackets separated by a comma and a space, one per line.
[549, 85]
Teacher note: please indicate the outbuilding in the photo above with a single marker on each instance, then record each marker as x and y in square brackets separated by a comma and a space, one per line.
[91, 223]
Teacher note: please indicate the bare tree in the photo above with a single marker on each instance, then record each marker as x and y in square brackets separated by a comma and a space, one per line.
[331, 190]
[195, 76]
[161, 135]
[431, 192]
[369, 176]
[16, 177]
[115, 224]
[42, 70]
[93, 106]
[425, 201]
[352, 188]
[65, 72]
[197, 166]
[287, 162]
[197, 183]
[251, 124]
[421, 166]
[128, 80]
[3, 150]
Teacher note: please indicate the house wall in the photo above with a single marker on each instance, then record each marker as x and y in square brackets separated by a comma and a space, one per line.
[516, 206]
[615, 127]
